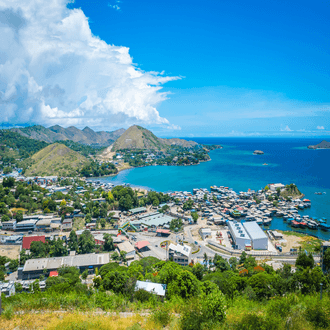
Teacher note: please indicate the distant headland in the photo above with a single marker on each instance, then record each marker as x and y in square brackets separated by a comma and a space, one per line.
[323, 145]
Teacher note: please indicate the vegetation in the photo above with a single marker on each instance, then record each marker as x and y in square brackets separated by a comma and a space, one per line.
[217, 297]
[95, 169]
[56, 159]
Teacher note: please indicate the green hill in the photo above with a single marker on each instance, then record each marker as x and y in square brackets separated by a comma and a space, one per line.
[56, 159]
[58, 133]
[137, 137]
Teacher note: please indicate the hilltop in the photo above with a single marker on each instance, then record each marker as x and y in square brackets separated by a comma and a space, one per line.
[137, 137]
[58, 133]
[56, 159]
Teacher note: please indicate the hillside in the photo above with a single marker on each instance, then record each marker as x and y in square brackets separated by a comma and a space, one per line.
[58, 133]
[56, 159]
[323, 145]
[137, 137]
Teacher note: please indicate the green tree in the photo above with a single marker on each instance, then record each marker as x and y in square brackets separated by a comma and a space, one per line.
[194, 216]
[84, 274]
[19, 216]
[115, 256]
[108, 243]
[73, 241]
[5, 218]
[86, 242]
[326, 260]
[233, 262]
[303, 260]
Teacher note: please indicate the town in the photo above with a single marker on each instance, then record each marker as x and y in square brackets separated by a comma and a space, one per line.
[49, 222]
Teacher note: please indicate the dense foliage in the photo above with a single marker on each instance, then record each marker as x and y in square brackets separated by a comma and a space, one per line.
[95, 169]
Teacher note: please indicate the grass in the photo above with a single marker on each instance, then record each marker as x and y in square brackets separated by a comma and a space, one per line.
[78, 224]
[294, 312]
[309, 243]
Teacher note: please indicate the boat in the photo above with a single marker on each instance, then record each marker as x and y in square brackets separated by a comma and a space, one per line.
[324, 227]
[267, 221]
[265, 164]
[318, 193]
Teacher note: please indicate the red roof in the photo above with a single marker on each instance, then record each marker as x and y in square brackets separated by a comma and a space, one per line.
[141, 244]
[28, 240]
[164, 231]
[53, 273]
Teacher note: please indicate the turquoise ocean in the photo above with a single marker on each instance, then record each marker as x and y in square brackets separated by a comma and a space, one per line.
[235, 166]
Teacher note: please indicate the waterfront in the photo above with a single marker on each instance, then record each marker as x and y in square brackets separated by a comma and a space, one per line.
[235, 166]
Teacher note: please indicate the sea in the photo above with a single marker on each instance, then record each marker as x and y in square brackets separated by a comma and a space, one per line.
[235, 166]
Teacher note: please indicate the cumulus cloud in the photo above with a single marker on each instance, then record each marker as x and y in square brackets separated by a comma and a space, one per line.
[53, 70]
[320, 127]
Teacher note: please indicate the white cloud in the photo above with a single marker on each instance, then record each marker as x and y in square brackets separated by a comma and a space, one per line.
[53, 70]
[286, 129]
[116, 6]
[320, 127]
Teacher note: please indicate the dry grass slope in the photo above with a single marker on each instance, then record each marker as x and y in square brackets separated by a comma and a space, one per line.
[56, 159]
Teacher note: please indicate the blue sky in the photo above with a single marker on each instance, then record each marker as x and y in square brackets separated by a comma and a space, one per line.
[228, 68]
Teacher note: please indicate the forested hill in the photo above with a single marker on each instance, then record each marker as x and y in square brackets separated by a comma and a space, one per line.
[26, 147]
[57, 133]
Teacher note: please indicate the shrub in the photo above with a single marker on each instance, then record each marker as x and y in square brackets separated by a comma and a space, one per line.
[162, 316]
[318, 315]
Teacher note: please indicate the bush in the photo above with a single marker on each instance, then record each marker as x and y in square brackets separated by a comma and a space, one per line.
[162, 316]
[142, 295]
[318, 315]
[8, 313]
[253, 321]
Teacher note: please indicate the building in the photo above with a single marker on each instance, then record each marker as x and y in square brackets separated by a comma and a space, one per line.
[9, 225]
[13, 239]
[205, 232]
[138, 210]
[324, 247]
[163, 232]
[259, 239]
[8, 289]
[152, 220]
[274, 186]
[48, 224]
[181, 254]
[26, 225]
[157, 288]
[128, 248]
[239, 235]
[67, 224]
[28, 240]
[33, 268]
[142, 245]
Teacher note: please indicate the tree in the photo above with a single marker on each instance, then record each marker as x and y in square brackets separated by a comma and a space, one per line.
[220, 263]
[63, 203]
[186, 285]
[205, 197]
[304, 260]
[73, 241]
[115, 256]
[242, 258]
[84, 274]
[115, 281]
[39, 249]
[19, 216]
[5, 218]
[233, 262]
[326, 260]
[108, 243]
[261, 284]
[123, 255]
[155, 202]
[194, 216]
[58, 249]
[103, 222]
[86, 242]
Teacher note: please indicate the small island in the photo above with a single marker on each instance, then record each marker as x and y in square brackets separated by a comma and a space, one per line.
[258, 152]
[323, 145]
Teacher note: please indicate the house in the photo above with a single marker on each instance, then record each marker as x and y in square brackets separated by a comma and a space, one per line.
[13, 239]
[8, 289]
[128, 248]
[181, 254]
[28, 240]
[163, 232]
[205, 232]
[142, 245]
[67, 224]
[156, 288]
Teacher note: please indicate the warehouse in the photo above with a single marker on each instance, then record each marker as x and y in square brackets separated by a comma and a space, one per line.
[259, 239]
[240, 236]
[33, 268]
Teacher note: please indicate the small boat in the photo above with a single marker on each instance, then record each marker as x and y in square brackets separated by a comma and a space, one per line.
[267, 221]
[324, 227]
[318, 193]
[265, 164]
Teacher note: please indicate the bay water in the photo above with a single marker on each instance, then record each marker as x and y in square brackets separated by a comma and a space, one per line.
[288, 161]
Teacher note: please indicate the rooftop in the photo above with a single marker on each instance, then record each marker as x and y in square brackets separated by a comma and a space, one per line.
[254, 230]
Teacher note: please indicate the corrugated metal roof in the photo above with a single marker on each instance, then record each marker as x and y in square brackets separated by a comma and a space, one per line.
[254, 230]
[159, 289]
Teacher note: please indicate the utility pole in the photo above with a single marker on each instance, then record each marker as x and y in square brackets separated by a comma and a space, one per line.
[321, 284]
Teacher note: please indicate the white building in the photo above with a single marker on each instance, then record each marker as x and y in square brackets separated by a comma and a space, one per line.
[7, 288]
[205, 232]
[258, 238]
[26, 225]
[181, 254]
[274, 186]
[240, 236]
[9, 225]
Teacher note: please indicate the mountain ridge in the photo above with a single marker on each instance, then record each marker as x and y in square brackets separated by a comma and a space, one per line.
[58, 133]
